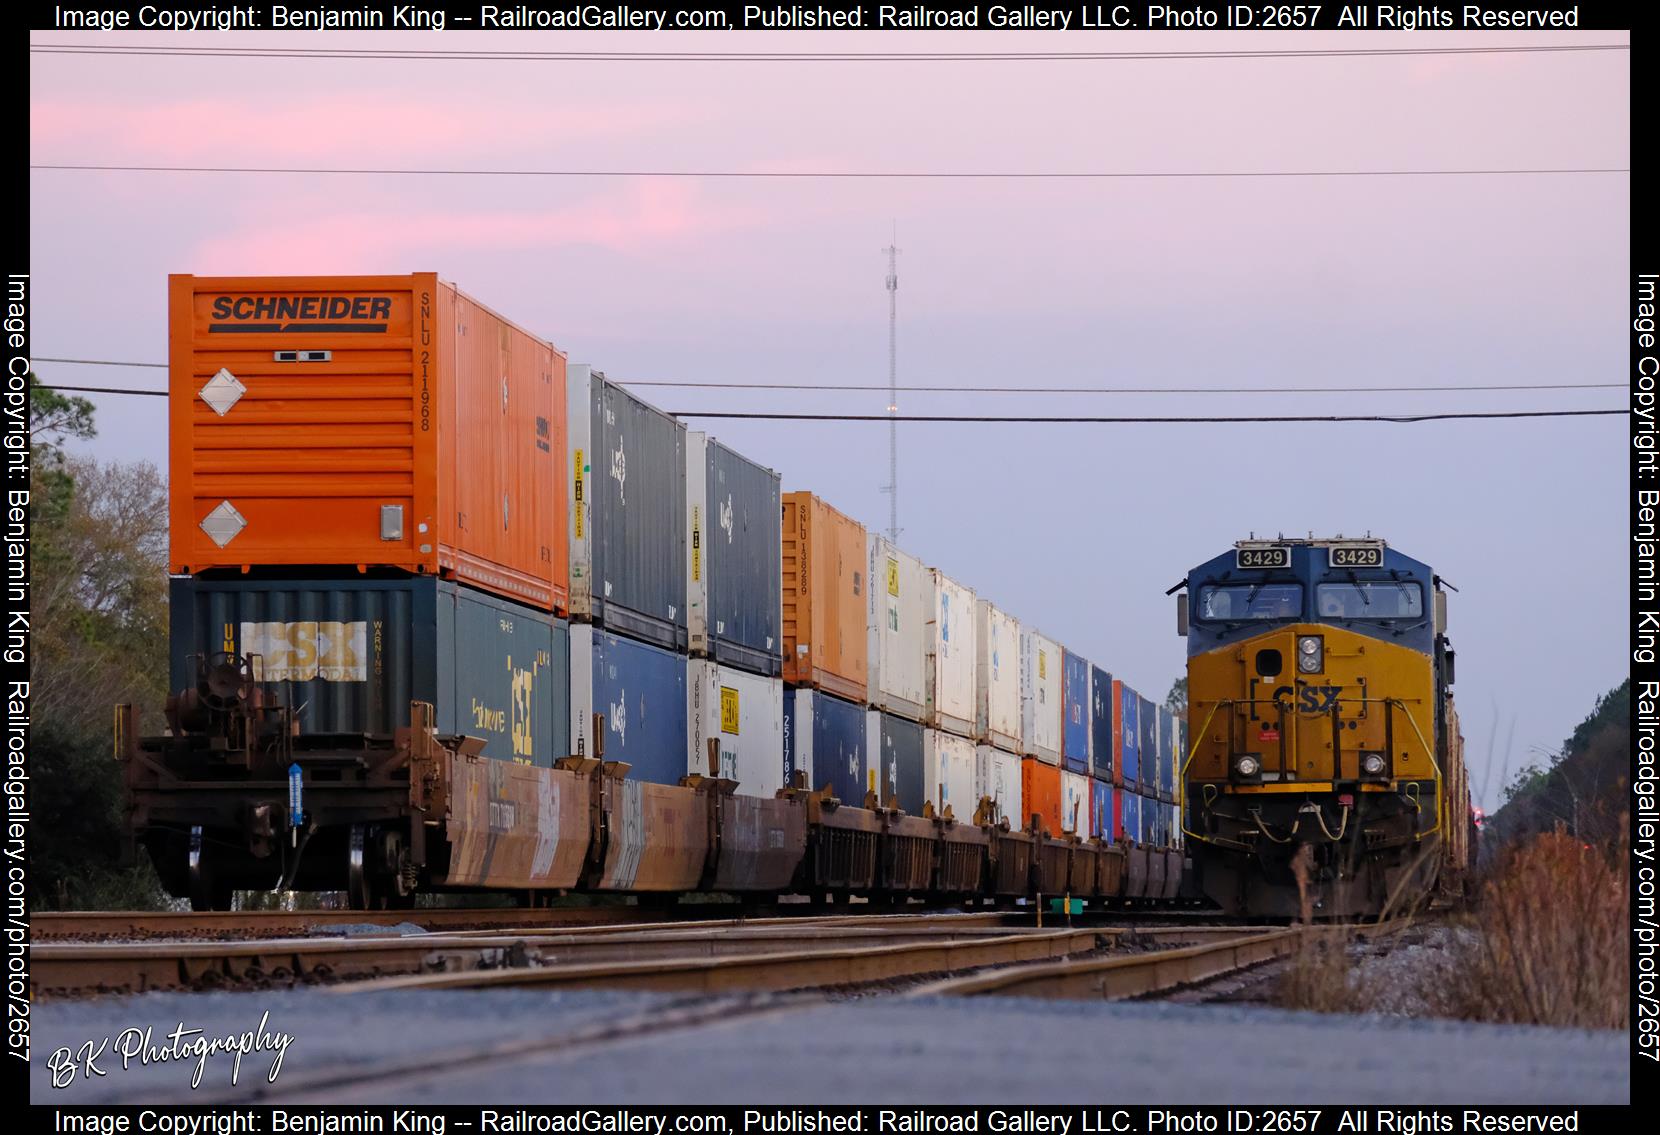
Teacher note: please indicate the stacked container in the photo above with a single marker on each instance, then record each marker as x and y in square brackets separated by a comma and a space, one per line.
[1076, 799]
[826, 648]
[948, 768]
[1101, 810]
[824, 739]
[997, 778]
[1077, 719]
[365, 493]
[1147, 746]
[628, 531]
[1127, 766]
[734, 617]
[951, 660]
[894, 760]
[1040, 697]
[899, 610]
[997, 677]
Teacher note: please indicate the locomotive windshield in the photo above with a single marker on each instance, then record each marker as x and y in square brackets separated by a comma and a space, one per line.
[1236, 603]
[1374, 600]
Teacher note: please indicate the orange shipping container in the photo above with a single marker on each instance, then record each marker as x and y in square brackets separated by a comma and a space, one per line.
[826, 640]
[1040, 793]
[365, 421]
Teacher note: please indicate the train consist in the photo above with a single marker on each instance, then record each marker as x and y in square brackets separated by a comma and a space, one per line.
[1327, 777]
[451, 613]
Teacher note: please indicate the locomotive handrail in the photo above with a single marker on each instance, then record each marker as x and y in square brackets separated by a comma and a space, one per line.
[1440, 780]
[1181, 779]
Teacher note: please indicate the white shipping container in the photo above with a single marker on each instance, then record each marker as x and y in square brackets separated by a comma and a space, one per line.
[948, 774]
[899, 609]
[579, 423]
[697, 565]
[997, 775]
[951, 656]
[1040, 697]
[997, 677]
[745, 713]
[1075, 799]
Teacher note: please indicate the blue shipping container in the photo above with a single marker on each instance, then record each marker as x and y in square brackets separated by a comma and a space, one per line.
[825, 737]
[349, 654]
[1101, 722]
[1128, 718]
[641, 692]
[1100, 813]
[1147, 743]
[1132, 815]
[893, 748]
[1167, 751]
[1076, 720]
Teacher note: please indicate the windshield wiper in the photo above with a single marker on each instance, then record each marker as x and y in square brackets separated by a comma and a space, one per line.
[1361, 591]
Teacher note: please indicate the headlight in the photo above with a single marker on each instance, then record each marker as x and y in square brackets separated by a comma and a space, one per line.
[1372, 764]
[1311, 654]
[1247, 766]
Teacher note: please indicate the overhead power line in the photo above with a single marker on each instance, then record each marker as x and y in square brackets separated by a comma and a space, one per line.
[451, 55]
[807, 175]
[840, 388]
[1032, 419]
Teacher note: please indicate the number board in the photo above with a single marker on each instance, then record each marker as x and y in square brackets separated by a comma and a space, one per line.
[1275, 557]
[1354, 555]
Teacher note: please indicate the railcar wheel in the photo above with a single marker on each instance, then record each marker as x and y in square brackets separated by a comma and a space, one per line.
[379, 875]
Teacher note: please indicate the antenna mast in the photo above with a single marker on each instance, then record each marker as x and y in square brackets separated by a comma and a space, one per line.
[892, 487]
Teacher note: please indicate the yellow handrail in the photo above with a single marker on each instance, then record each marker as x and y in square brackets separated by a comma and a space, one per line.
[1181, 779]
[1429, 750]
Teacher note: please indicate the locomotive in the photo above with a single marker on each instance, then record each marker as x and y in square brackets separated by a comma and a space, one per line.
[1324, 776]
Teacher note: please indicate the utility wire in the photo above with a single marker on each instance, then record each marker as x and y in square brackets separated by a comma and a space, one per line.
[803, 175]
[787, 56]
[995, 418]
[1187, 419]
[827, 386]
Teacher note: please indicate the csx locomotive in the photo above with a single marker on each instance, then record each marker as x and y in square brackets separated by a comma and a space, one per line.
[1324, 775]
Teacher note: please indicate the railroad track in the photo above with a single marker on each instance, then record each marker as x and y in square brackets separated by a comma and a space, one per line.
[93, 925]
[710, 954]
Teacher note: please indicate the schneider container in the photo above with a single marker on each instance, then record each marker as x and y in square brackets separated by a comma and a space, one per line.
[899, 610]
[1077, 720]
[996, 677]
[948, 773]
[639, 691]
[350, 654]
[826, 634]
[364, 422]
[997, 777]
[1040, 696]
[1147, 746]
[951, 656]
[1101, 727]
[628, 512]
[732, 556]
[743, 715]
[824, 739]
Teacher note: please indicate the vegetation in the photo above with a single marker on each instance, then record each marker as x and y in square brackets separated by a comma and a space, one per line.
[1580, 787]
[99, 570]
[1176, 700]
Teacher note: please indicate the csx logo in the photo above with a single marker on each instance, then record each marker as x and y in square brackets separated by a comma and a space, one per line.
[306, 651]
[1310, 699]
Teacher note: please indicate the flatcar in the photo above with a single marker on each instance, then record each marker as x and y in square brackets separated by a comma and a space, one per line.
[1324, 775]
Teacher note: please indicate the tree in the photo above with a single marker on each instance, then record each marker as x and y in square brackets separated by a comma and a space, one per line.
[99, 620]
[1176, 700]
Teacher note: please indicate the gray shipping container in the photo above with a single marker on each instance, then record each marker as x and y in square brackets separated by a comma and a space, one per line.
[350, 655]
[893, 748]
[734, 561]
[628, 512]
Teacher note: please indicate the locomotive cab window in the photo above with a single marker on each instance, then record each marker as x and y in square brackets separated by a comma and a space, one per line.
[1376, 599]
[1236, 603]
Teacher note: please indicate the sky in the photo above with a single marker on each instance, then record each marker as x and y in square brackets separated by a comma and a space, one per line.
[1078, 529]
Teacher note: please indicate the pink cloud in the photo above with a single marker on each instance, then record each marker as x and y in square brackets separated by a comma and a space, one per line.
[644, 216]
[274, 131]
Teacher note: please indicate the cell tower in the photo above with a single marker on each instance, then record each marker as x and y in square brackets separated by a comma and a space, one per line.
[892, 487]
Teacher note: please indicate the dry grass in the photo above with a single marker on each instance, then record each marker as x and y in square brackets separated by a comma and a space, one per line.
[1550, 947]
